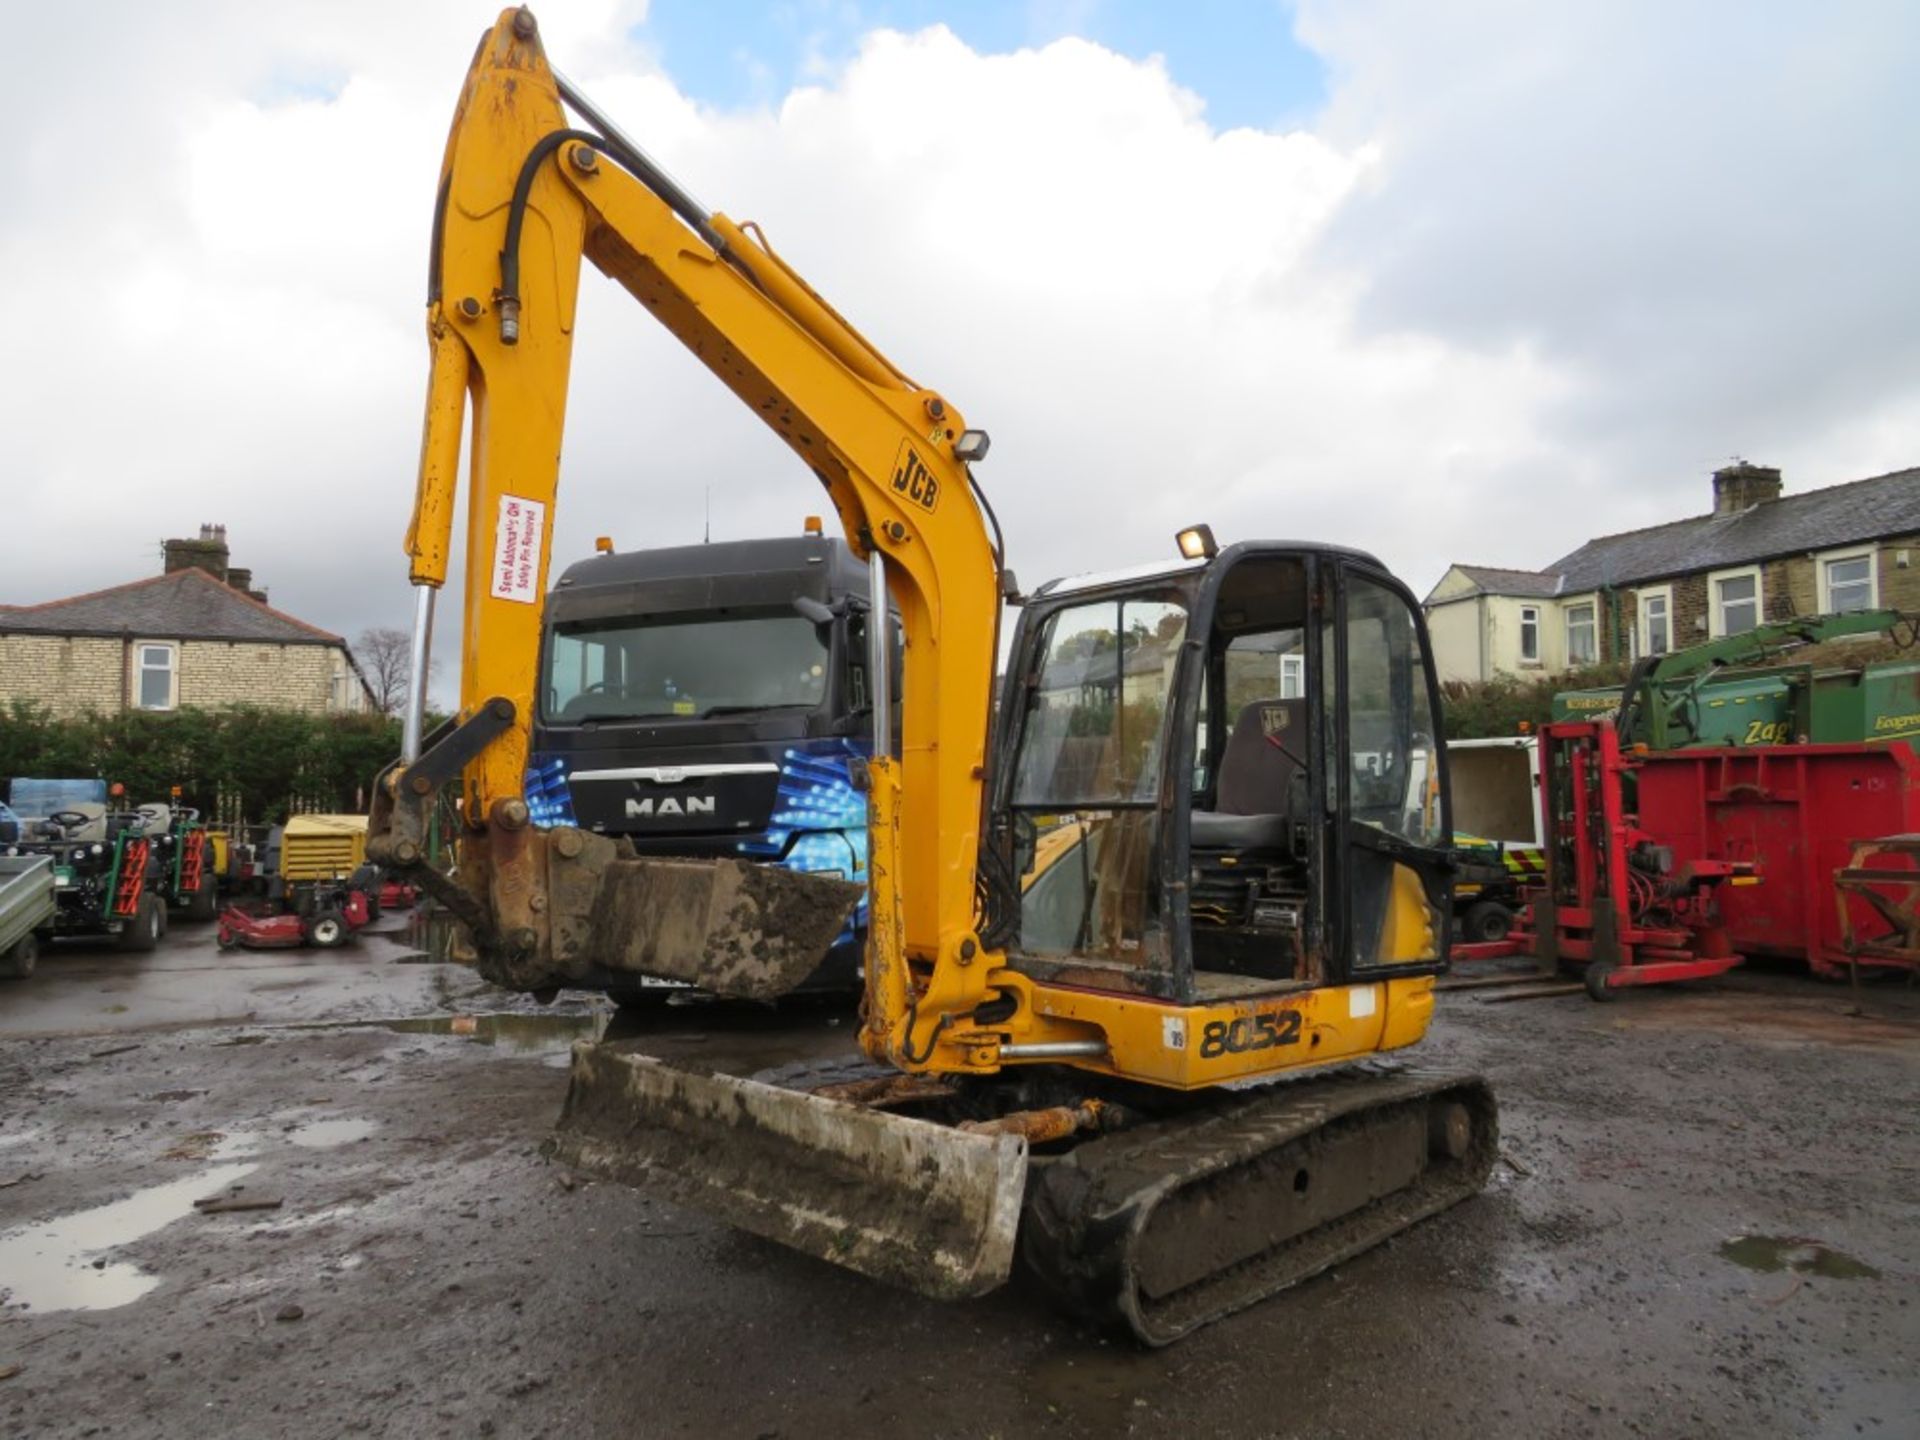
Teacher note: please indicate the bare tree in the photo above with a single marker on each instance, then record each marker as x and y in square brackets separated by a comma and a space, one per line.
[386, 659]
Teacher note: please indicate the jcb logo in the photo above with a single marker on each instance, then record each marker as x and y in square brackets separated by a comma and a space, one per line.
[913, 480]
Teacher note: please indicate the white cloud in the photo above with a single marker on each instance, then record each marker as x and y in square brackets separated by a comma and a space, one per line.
[1439, 324]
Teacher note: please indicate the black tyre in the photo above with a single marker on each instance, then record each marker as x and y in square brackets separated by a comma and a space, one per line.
[1485, 921]
[204, 903]
[326, 929]
[227, 940]
[18, 963]
[1596, 980]
[143, 929]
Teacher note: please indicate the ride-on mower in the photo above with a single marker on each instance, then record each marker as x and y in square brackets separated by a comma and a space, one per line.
[325, 917]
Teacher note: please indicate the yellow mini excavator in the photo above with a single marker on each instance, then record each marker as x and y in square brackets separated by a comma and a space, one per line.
[1127, 942]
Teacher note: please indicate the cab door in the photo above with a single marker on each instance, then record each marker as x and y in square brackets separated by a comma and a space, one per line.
[1386, 782]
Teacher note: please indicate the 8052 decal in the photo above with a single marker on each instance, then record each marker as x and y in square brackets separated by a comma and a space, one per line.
[1249, 1032]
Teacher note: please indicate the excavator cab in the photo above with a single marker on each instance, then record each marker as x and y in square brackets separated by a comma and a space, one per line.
[1222, 780]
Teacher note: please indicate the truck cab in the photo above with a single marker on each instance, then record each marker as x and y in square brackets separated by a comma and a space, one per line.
[710, 700]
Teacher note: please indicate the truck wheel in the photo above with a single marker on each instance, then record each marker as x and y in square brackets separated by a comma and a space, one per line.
[1596, 981]
[17, 963]
[326, 930]
[205, 902]
[144, 928]
[1485, 921]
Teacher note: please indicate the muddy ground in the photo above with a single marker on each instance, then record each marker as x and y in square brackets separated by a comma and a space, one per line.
[1705, 1226]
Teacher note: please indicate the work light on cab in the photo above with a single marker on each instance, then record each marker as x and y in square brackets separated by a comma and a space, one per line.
[1196, 542]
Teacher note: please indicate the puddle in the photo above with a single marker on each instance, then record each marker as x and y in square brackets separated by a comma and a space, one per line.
[1774, 1253]
[326, 1134]
[522, 1034]
[51, 1266]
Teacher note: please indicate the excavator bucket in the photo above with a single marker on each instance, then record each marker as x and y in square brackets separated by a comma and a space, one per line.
[915, 1204]
[752, 932]
[572, 908]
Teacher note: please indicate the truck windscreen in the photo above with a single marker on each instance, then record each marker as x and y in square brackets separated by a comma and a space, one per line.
[684, 666]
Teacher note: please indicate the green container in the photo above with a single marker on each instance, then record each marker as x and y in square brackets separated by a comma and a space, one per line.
[1777, 706]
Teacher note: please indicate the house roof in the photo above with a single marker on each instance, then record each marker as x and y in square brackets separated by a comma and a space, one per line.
[1816, 520]
[184, 605]
[1490, 580]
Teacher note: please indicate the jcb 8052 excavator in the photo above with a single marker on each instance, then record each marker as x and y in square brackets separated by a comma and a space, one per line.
[1206, 848]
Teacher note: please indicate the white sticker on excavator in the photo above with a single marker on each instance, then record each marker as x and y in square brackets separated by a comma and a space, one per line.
[1360, 1002]
[516, 550]
[1173, 1033]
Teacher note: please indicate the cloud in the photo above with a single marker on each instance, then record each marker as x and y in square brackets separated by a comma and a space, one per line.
[1698, 215]
[1505, 275]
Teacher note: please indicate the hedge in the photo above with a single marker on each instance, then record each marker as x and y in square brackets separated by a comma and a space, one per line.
[245, 764]
[1477, 709]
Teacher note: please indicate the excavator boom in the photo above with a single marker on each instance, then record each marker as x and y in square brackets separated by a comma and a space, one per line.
[523, 197]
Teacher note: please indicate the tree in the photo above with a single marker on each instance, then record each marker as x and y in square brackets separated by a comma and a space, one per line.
[386, 659]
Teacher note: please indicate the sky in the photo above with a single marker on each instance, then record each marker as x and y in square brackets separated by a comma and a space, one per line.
[1467, 282]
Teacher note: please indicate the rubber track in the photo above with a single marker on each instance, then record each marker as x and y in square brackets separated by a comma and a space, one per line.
[1088, 1212]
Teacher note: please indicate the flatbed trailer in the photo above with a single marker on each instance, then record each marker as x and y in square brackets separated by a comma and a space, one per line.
[26, 908]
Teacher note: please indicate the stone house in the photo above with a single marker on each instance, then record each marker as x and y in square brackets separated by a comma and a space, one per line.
[1758, 556]
[197, 634]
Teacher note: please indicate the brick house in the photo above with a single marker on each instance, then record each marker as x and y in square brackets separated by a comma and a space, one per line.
[1758, 556]
[197, 634]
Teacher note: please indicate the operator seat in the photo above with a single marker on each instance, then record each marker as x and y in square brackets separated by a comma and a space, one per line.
[1256, 778]
[94, 828]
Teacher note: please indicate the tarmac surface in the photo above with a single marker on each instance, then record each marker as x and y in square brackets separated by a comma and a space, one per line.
[1704, 1225]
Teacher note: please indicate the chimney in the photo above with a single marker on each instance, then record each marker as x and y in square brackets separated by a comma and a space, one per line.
[1741, 486]
[208, 553]
[239, 577]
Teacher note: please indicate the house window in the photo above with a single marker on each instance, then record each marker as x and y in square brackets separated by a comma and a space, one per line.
[1580, 635]
[1530, 634]
[1847, 582]
[156, 675]
[1736, 602]
[1656, 621]
[1293, 676]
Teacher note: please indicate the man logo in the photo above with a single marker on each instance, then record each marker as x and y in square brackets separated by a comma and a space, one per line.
[649, 808]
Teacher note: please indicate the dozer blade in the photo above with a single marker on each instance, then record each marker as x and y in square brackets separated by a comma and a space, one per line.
[905, 1201]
